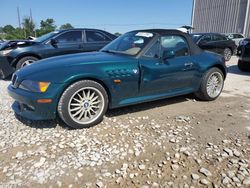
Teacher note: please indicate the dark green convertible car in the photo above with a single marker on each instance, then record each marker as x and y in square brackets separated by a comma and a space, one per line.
[139, 66]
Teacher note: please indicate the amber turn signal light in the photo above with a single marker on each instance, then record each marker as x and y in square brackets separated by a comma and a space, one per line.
[43, 86]
[44, 100]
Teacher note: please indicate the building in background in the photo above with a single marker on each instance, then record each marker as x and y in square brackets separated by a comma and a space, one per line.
[223, 16]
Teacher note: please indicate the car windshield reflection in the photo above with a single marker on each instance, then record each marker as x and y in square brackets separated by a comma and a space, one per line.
[131, 43]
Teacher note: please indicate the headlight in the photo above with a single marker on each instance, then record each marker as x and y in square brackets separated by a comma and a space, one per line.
[5, 52]
[34, 86]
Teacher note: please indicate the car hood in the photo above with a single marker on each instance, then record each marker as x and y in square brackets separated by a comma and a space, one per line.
[11, 44]
[55, 64]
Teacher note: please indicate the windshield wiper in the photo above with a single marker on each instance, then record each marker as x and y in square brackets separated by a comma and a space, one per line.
[110, 51]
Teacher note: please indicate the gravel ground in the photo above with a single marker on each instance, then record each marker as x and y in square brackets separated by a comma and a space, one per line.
[177, 142]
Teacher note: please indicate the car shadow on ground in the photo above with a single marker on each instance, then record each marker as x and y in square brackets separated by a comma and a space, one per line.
[110, 113]
[41, 124]
[233, 69]
[148, 105]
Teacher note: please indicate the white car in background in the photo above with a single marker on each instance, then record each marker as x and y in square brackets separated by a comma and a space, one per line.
[236, 37]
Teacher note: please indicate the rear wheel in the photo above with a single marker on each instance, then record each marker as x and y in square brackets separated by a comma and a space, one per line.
[211, 85]
[25, 61]
[83, 104]
[243, 66]
[227, 54]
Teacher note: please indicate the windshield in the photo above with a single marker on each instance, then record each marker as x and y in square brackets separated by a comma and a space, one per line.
[130, 43]
[46, 36]
[196, 37]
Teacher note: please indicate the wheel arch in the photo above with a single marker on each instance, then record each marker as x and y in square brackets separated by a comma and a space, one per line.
[25, 55]
[221, 68]
[92, 78]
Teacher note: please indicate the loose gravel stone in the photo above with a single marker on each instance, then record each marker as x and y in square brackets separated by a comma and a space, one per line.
[204, 182]
[195, 176]
[205, 172]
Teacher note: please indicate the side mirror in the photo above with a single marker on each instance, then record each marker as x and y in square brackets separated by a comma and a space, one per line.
[168, 54]
[53, 42]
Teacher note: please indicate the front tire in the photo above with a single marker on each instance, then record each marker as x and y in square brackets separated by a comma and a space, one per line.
[25, 61]
[243, 66]
[227, 54]
[211, 85]
[83, 104]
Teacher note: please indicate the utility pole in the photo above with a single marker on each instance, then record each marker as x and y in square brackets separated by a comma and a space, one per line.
[31, 20]
[18, 17]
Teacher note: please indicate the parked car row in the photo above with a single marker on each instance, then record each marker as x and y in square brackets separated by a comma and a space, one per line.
[236, 37]
[19, 53]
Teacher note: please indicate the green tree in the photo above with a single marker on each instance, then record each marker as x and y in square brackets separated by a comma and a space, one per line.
[28, 27]
[66, 26]
[117, 34]
[8, 29]
[11, 33]
[46, 26]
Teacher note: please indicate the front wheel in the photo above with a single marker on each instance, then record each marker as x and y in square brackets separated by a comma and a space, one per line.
[227, 54]
[25, 61]
[83, 104]
[211, 85]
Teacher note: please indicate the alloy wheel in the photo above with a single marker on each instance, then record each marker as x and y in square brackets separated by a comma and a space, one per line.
[227, 54]
[27, 62]
[86, 105]
[214, 84]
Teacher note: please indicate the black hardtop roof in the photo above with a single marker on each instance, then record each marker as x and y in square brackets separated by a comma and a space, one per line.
[80, 29]
[161, 31]
[193, 47]
[206, 33]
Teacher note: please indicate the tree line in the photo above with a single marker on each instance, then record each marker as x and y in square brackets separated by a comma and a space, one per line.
[28, 28]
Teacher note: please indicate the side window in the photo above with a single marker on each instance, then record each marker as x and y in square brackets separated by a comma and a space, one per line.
[219, 37]
[154, 50]
[206, 38]
[70, 37]
[238, 36]
[175, 44]
[95, 36]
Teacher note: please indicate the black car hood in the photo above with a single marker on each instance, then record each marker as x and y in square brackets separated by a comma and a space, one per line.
[16, 43]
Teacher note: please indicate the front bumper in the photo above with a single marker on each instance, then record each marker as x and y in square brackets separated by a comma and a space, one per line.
[26, 104]
[5, 68]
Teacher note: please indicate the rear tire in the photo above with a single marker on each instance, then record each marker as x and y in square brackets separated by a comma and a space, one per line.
[227, 54]
[83, 104]
[243, 66]
[211, 85]
[25, 61]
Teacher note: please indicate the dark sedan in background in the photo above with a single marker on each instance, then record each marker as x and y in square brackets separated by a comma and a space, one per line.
[244, 54]
[17, 54]
[215, 42]
[1, 42]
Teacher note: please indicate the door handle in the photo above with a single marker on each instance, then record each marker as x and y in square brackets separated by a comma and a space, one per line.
[190, 64]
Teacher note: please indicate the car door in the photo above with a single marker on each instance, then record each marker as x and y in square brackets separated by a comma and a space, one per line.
[172, 75]
[206, 43]
[68, 42]
[95, 40]
[222, 42]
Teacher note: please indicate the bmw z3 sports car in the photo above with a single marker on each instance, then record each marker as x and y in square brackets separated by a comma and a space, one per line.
[139, 66]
